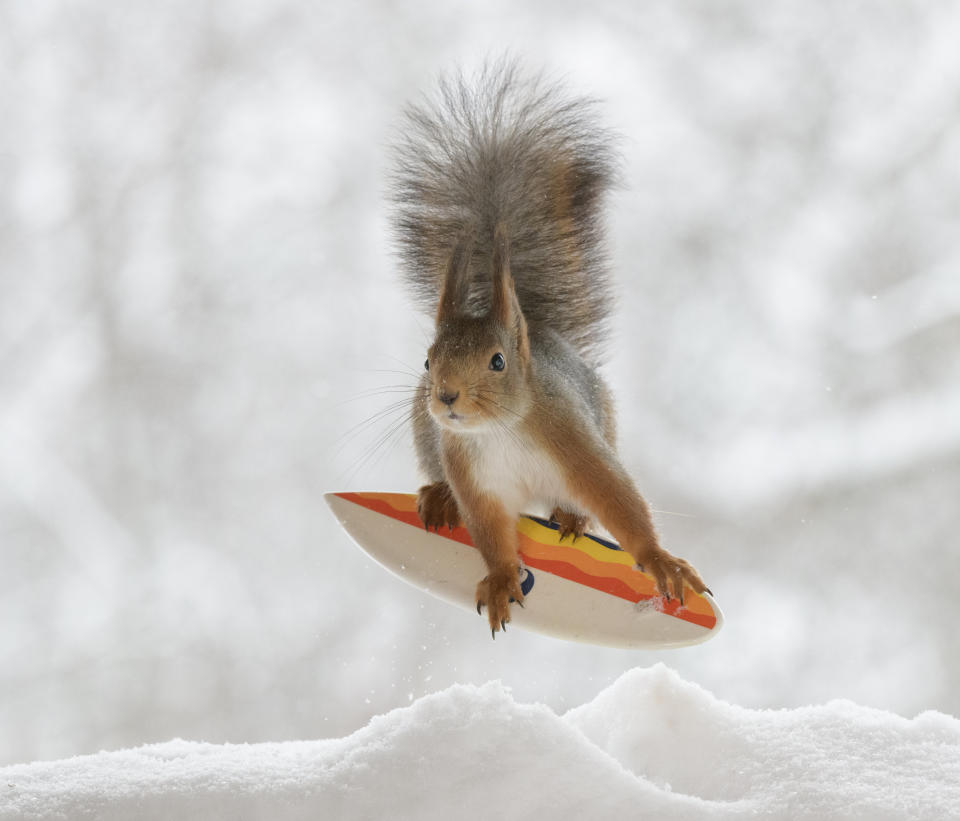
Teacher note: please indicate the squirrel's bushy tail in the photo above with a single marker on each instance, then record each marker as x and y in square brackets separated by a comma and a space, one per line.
[511, 150]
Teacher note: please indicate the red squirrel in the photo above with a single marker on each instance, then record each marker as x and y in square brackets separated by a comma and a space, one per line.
[497, 195]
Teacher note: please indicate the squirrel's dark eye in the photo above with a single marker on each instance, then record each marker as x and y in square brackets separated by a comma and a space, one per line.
[497, 363]
[426, 365]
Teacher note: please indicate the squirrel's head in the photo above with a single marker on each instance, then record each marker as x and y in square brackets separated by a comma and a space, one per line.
[477, 366]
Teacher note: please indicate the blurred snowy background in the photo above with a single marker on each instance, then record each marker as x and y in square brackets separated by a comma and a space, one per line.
[196, 291]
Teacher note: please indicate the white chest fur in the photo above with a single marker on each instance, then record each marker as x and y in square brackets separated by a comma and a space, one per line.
[522, 476]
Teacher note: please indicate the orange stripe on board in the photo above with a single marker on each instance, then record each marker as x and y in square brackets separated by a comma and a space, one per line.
[566, 561]
[635, 581]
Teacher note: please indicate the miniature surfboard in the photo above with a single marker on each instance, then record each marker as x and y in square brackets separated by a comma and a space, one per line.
[587, 590]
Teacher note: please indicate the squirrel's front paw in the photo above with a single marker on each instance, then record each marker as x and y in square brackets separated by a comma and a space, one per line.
[437, 507]
[671, 573]
[495, 593]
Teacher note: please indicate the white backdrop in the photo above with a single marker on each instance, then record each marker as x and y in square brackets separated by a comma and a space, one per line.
[196, 293]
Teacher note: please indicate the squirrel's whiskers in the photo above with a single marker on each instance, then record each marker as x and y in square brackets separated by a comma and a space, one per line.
[394, 417]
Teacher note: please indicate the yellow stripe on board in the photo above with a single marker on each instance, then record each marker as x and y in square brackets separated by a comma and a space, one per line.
[548, 536]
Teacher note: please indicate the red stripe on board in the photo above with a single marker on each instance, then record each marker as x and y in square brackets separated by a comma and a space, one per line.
[410, 517]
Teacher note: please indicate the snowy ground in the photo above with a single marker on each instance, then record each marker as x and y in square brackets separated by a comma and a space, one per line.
[649, 746]
[196, 290]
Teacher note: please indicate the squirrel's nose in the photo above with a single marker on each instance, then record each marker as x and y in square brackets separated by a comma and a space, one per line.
[448, 398]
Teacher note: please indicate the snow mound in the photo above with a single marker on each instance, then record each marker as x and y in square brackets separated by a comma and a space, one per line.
[838, 760]
[650, 745]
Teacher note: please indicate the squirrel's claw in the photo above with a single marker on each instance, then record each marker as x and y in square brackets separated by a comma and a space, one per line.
[436, 507]
[495, 593]
[672, 575]
[568, 524]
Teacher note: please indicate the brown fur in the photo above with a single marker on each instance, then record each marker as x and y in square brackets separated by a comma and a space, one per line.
[596, 482]
[498, 194]
[494, 532]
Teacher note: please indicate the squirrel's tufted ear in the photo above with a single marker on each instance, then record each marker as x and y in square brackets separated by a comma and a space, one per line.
[505, 307]
[456, 285]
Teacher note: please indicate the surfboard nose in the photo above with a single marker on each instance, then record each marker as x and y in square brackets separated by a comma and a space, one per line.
[343, 510]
